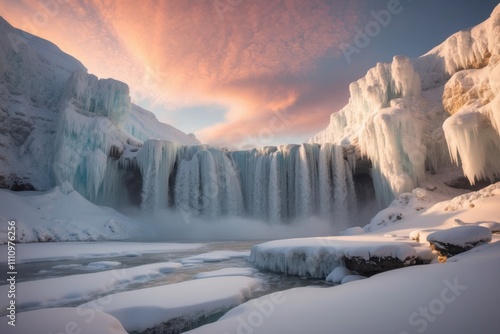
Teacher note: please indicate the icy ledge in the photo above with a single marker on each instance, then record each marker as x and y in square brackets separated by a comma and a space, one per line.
[318, 257]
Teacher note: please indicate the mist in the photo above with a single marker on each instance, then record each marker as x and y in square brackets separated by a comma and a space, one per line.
[166, 225]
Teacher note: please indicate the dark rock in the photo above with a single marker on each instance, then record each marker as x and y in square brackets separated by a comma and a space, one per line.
[15, 183]
[376, 264]
[115, 152]
[458, 239]
[463, 183]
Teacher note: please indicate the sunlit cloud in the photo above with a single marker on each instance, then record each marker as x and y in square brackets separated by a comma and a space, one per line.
[254, 58]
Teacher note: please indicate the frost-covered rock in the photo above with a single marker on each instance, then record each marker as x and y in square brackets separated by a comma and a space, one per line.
[458, 239]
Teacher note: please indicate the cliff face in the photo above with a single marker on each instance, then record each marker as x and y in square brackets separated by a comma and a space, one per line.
[415, 114]
[56, 119]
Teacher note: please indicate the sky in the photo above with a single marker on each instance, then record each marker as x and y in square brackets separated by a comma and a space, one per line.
[241, 73]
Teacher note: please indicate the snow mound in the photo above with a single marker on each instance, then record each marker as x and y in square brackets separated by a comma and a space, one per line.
[338, 274]
[464, 236]
[175, 304]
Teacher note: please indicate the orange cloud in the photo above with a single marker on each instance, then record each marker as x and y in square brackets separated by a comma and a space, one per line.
[251, 56]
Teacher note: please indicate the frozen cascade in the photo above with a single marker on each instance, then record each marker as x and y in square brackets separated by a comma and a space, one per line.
[156, 162]
[292, 181]
[382, 119]
[274, 184]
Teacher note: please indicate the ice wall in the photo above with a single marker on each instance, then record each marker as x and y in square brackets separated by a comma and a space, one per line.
[382, 120]
[100, 97]
[397, 115]
[471, 96]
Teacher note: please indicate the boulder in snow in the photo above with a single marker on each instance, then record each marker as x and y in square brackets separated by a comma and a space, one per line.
[458, 239]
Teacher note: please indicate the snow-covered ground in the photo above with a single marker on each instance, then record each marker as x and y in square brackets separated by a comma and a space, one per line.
[459, 296]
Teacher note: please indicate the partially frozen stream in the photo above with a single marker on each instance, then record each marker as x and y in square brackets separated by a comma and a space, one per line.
[65, 265]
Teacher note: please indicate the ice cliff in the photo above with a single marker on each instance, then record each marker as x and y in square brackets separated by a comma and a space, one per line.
[414, 115]
[60, 123]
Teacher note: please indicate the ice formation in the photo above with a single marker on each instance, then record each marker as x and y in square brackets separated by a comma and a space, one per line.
[396, 112]
[274, 183]
[59, 123]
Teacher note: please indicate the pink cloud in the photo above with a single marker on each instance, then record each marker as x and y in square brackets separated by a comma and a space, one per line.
[251, 56]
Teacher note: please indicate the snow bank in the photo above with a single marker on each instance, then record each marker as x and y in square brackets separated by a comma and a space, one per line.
[317, 257]
[62, 214]
[62, 291]
[63, 320]
[457, 297]
[185, 302]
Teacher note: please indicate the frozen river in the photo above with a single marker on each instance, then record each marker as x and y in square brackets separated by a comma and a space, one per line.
[74, 273]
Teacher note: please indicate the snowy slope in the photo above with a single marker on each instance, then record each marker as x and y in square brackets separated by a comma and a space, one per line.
[395, 114]
[46, 98]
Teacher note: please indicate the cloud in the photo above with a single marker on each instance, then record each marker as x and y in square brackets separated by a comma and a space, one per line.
[254, 57]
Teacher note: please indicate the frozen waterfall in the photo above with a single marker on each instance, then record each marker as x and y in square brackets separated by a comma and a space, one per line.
[274, 184]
